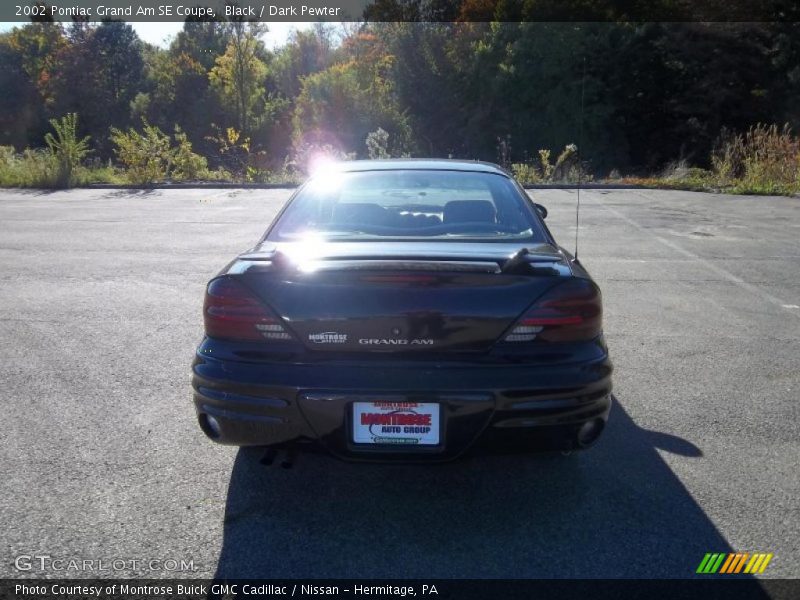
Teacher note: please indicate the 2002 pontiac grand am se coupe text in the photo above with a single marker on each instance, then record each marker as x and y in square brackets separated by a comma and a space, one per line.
[405, 310]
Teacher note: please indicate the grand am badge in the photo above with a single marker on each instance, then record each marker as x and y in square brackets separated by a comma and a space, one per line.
[328, 337]
[394, 342]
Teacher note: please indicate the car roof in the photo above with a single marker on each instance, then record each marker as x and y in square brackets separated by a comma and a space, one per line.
[427, 164]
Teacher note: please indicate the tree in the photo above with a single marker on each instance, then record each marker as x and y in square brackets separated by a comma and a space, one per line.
[177, 88]
[446, 77]
[118, 67]
[21, 107]
[98, 73]
[305, 53]
[342, 104]
[37, 44]
[238, 75]
[27, 64]
[202, 41]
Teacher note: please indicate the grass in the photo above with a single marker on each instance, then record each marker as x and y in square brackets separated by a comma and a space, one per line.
[763, 161]
[32, 168]
[694, 184]
[40, 169]
[701, 180]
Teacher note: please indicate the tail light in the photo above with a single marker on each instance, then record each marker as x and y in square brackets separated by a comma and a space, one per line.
[570, 312]
[232, 312]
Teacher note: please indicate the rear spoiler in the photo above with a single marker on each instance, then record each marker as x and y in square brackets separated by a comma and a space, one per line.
[523, 262]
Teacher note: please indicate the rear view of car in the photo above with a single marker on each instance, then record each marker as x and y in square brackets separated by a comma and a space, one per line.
[404, 310]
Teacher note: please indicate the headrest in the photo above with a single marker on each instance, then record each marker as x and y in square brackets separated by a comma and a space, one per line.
[469, 211]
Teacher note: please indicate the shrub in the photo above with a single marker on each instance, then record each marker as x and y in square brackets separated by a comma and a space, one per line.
[32, 168]
[727, 157]
[525, 173]
[564, 169]
[277, 176]
[67, 150]
[378, 143]
[57, 166]
[766, 159]
[771, 158]
[149, 156]
[145, 156]
[546, 165]
[234, 152]
[187, 165]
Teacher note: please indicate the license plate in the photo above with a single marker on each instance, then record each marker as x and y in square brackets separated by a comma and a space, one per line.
[398, 423]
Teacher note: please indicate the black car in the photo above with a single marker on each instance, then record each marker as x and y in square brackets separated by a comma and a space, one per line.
[405, 310]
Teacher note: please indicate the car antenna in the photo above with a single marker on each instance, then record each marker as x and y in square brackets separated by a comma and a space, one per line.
[580, 165]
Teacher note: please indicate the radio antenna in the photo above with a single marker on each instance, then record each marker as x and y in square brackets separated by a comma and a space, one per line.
[580, 163]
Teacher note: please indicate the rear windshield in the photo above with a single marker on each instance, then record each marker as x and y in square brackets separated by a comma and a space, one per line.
[404, 204]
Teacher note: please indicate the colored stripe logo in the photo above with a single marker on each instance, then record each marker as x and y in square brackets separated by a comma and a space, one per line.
[734, 562]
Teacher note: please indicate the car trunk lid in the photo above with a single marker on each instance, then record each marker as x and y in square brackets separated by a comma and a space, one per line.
[400, 297]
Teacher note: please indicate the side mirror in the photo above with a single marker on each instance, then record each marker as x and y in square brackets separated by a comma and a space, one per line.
[542, 210]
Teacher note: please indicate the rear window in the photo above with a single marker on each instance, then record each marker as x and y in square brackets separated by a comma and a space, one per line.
[408, 204]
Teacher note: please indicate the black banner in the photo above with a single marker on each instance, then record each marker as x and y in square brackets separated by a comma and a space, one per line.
[400, 10]
[712, 588]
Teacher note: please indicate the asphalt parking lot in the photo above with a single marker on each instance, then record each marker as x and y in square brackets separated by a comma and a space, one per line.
[101, 458]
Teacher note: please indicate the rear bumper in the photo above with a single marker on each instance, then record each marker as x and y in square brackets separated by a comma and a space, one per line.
[484, 407]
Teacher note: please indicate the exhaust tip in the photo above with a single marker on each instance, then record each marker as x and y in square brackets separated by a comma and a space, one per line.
[590, 432]
[210, 426]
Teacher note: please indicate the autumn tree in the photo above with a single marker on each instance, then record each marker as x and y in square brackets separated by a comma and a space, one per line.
[341, 105]
[238, 75]
[97, 75]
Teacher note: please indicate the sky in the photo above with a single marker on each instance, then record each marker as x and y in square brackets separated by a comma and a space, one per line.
[160, 34]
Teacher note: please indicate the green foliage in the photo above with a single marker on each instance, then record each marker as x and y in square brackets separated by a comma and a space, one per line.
[65, 147]
[306, 52]
[98, 72]
[282, 176]
[234, 152]
[434, 82]
[378, 143]
[32, 168]
[140, 106]
[146, 156]
[186, 165]
[40, 169]
[98, 171]
[59, 166]
[766, 159]
[565, 169]
[526, 173]
[546, 165]
[149, 156]
[238, 77]
[341, 105]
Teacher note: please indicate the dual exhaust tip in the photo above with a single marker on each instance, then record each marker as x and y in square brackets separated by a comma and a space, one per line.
[586, 436]
[209, 425]
[589, 433]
